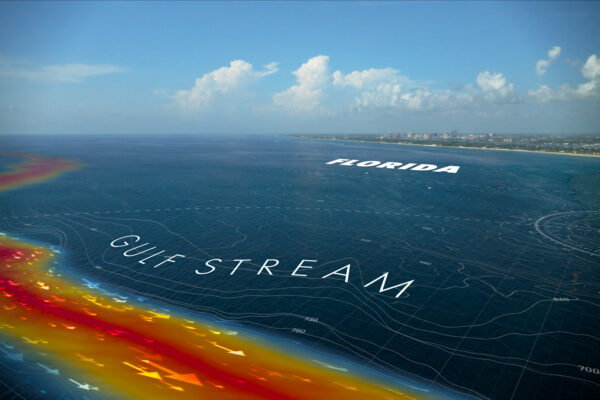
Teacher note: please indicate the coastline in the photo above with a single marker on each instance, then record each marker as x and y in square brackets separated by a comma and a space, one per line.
[453, 147]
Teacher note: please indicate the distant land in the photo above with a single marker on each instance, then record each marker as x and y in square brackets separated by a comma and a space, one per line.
[572, 144]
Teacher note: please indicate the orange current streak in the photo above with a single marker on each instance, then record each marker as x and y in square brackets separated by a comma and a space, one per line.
[132, 351]
[129, 351]
[34, 169]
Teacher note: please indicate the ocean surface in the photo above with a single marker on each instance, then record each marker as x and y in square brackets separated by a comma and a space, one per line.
[504, 255]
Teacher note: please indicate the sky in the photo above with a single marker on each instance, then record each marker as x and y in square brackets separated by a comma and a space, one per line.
[291, 67]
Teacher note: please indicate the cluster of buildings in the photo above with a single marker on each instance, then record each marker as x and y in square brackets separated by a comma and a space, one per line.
[572, 143]
[433, 136]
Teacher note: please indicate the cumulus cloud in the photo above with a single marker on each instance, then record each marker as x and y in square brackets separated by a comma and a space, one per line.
[588, 89]
[306, 95]
[591, 68]
[383, 95]
[367, 78]
[73, 73]
[542, 65]
[591, 71]
[317, 90]
[543, 94]
[495, 86]
[395, 97]
[220, 81]
[385, 89]
[554, 52]
[422, 99]
[488, 81]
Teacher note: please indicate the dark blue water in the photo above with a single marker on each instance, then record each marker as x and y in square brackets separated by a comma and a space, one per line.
[481, 318]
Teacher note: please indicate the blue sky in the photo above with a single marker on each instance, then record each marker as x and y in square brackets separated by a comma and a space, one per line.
[284, 67]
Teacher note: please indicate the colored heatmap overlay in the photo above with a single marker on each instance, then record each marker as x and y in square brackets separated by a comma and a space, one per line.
[107, 345]
[35, 168]
[123, 349]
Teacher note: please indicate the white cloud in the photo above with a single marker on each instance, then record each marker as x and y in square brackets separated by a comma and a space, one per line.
[75, 72]
[421, 99]
[490, 82]
[384, 95]
[591, 68]
[395, 97]
[554, 52]
[542, 65]
[58, 73]
[220, 81]
[589, 89]
[306, 95]
[385, 88]
[543, 94]
[591, 71]
[495, 87]
[367, 78]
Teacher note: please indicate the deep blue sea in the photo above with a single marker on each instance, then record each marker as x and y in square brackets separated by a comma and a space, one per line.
[493, 250]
